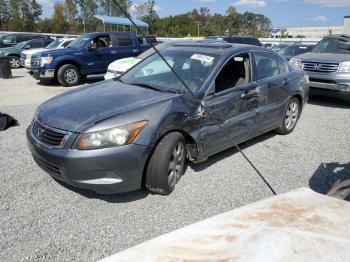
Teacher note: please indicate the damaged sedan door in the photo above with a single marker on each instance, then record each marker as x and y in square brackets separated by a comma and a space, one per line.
[233, 101]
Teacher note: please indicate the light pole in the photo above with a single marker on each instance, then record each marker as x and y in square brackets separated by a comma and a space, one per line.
[199, 23]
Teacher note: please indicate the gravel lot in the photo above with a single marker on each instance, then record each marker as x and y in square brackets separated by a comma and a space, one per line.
[42, 220]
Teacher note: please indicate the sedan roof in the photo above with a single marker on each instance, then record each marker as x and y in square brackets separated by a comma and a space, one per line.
[216, 47]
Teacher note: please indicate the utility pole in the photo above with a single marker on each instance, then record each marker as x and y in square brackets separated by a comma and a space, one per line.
[198, 25]
[1, 18]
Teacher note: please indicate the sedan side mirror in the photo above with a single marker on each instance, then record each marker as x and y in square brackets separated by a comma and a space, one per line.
[27, 47]
[92, 47]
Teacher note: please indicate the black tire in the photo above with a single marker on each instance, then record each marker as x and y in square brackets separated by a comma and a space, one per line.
[68, 75]
[14, 61]
[160, 177]
[287, 127]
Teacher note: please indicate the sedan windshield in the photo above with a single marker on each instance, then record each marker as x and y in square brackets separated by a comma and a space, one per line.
[153, 72]
[293, 50]
[54, 44]
[22, 44]
[80, 42]
[339, 45]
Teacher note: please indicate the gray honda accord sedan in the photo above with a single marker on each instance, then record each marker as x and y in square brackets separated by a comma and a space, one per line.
[139, 129]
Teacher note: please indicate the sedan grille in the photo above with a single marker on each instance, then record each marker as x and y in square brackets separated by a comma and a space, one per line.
[48, 135]
[320, 67]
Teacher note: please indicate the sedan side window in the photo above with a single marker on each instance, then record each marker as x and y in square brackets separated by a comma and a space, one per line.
[37, 43]
[266, 65]
[236, 72]
[283, 65]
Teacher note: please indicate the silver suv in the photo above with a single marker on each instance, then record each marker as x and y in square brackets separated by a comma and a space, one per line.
[328, 66]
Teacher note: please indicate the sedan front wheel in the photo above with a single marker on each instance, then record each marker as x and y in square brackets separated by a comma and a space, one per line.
[166, 165]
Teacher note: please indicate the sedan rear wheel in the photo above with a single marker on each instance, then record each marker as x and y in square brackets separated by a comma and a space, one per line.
[166, 164]
[291, 117]
[14, 62]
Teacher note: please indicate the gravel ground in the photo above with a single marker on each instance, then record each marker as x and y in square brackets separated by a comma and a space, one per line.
[42, 220]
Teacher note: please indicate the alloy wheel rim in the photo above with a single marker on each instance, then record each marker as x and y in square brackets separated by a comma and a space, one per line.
[14, 62]
[292, 115]
[70, 75]
[176, 164]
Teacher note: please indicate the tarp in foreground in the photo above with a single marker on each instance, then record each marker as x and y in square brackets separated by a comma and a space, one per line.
[297, 226]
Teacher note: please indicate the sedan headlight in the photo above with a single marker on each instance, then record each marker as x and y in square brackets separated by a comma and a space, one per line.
[113, 137]
[344, 67]
[296, 62]
[45, 60]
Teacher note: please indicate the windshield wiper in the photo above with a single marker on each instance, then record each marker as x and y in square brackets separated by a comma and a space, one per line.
[146, 86]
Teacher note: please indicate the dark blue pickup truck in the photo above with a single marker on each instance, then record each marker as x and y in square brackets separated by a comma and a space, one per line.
[88, 54]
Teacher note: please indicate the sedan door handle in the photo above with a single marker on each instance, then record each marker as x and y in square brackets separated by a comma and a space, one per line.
[250, 94]
[285, 82]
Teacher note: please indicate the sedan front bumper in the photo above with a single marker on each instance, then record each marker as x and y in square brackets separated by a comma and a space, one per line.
[336, 84]
[105, 171]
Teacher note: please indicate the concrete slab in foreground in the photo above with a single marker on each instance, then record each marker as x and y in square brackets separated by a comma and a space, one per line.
[297, 226]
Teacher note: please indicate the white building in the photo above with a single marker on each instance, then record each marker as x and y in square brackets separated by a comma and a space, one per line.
[315, 32]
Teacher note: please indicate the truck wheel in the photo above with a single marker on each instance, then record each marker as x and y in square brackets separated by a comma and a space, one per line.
[166, 165]
[14, 62]
[290, 117]
[68, 75]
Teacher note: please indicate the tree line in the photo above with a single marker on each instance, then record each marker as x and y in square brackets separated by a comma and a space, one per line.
[77, 17]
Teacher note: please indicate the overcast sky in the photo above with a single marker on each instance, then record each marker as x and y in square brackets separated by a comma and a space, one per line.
[281, 12]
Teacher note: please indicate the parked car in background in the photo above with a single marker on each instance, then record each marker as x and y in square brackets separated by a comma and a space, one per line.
[267, 45]
[248, 40]
[279, 46]
[115, 135]
[88, 54]
[118, 67]
[328, 66]
[59, 43]
[14, 53]
[293, 50]
[12, 39]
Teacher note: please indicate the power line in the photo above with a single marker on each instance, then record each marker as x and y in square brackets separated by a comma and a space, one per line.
[197, 99]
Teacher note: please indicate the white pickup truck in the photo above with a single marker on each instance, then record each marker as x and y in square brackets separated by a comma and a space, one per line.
[26, 55]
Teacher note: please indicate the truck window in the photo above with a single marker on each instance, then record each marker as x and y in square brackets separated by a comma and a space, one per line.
[102, 41]
[125, 40]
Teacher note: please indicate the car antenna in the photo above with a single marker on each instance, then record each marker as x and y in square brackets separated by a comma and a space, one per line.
[127, 15]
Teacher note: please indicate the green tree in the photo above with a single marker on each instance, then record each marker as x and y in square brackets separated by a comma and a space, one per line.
[71, 12]
[59, 20]
[4, 14]
[108, 7]
[24, 15]
[234, 19]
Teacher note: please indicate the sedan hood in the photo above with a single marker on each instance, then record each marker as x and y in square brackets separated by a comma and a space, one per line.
[12, 50]
[325, 57]
[80, 109]
[33, 51]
